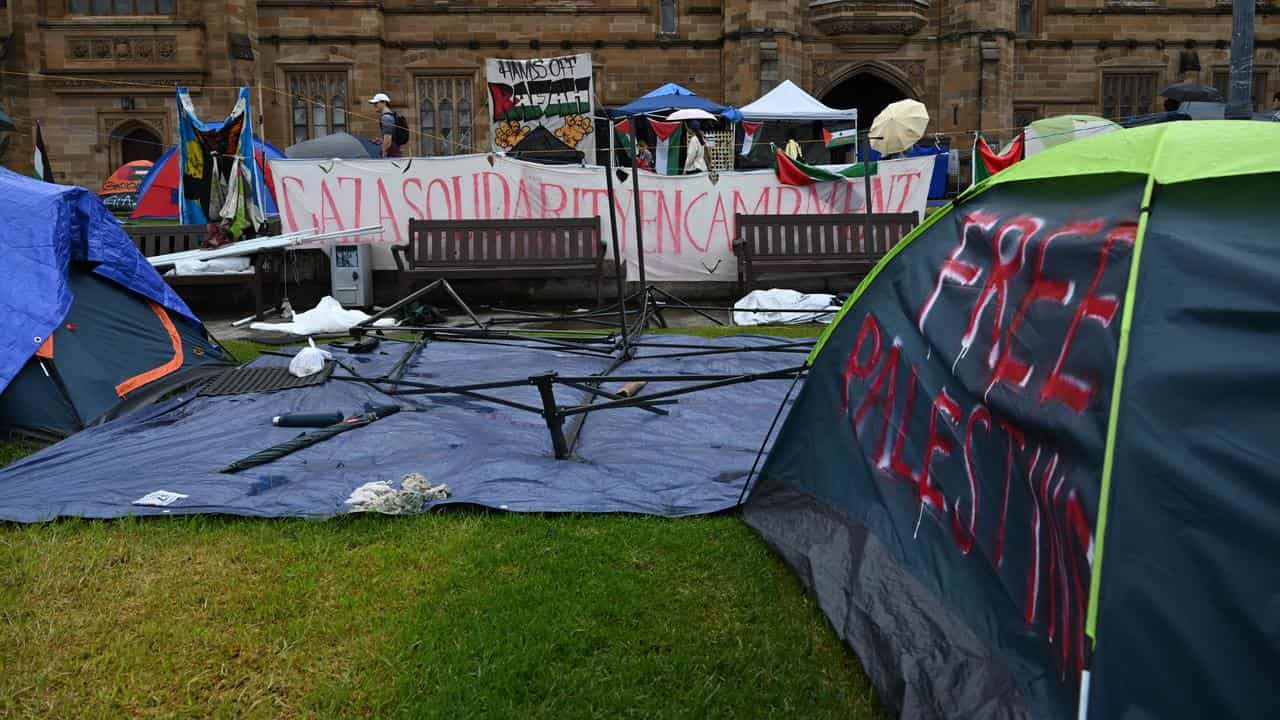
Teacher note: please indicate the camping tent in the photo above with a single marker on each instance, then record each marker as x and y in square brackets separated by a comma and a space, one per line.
[1077, 356]
[120, 190]
[1050, 132]
[89, 329]
[789, 103]
[340, 145]
[541, 146]
[158, 194]
[674, 97]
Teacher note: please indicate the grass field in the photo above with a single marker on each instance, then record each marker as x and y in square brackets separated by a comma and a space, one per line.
[457, 614]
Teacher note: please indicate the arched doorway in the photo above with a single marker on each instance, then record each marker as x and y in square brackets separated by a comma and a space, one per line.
[140, 143]
[868, 89]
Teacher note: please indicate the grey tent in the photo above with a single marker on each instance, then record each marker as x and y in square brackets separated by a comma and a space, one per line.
[344, 146]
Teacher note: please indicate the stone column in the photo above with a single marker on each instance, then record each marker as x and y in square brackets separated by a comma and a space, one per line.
[978, 63]
[762, 46]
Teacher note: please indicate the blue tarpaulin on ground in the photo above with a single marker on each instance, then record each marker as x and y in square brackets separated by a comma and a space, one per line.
[43, 229]
[693, 461]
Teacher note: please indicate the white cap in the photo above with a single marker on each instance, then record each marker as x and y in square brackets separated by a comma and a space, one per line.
[380, 97]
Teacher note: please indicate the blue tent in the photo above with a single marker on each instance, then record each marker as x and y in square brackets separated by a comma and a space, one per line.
[88, 325]
[674, 97]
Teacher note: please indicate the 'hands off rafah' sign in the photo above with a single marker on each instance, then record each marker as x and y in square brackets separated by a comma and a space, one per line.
[541, 105]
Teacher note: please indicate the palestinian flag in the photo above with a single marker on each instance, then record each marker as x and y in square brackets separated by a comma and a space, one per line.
[749, 131]
[666, 157]
[622, 132]
[840, 138]
[794, 172]
[988, 162]
[41, 158]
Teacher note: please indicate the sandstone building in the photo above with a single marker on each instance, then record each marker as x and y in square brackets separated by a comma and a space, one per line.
[99, 74]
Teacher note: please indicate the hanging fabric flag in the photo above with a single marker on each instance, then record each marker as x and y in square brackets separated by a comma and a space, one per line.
[987, 162]
[795, 172]
[666, 159]
[749, 130]
[207, 156]
[41, 158]
[840, 138]
[622, 131]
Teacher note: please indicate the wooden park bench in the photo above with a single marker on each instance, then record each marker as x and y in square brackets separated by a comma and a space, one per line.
[154, 240]
[500, 249]
[776, 247]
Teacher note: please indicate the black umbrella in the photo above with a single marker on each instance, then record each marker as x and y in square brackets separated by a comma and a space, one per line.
[1192, 92]
[262, 457]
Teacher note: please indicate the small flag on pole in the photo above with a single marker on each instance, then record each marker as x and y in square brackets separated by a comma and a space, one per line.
[749, 130]
[987, 162]
[666, 159]
[622, 131]
[840, 138]
[41, 158]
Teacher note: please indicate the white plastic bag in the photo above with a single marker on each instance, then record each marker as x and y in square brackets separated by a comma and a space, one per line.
[309, 360]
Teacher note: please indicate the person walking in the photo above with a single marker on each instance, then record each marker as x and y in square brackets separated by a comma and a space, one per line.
[387, 126]
[695, 160]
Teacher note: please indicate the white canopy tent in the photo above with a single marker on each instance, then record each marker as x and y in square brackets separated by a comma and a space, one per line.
[789, 102]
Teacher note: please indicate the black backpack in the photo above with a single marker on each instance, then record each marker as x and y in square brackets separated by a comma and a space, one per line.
[401, 135]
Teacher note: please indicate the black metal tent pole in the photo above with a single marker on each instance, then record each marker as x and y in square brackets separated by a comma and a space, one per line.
[635, 211]
[865, 150]
[620, 262]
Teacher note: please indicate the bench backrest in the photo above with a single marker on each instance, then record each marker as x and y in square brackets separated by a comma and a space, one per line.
[154, 240]
[503, 242]
[822, 235]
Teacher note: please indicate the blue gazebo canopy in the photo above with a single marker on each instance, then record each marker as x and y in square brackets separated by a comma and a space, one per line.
[674, 97]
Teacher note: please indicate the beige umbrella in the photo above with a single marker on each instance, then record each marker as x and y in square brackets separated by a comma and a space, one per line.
[899, 126]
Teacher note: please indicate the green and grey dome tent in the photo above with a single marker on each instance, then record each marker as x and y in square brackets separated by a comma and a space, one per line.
[1034, 471]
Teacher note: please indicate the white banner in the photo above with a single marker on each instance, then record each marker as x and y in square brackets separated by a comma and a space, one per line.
[536, 104]
[687, 221]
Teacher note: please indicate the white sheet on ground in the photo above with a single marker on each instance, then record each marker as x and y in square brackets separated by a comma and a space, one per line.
[216, 266]
[326, 318]
[776, 299]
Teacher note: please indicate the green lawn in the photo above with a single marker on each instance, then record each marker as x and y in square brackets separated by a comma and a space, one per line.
[456, 614]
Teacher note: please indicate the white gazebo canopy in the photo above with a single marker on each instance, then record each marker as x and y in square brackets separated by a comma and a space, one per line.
[789, 102]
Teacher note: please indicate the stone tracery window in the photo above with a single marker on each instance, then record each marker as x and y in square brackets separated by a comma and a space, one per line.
[318, 103]
[445, 114]
[121, 7]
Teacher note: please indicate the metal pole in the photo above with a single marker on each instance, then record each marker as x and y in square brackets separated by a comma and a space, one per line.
[613, 229]
[865, 139]
[1240, 97]
[555, 420]
[635, 206]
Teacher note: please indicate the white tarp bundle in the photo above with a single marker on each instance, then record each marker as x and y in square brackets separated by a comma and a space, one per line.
[776, 299]
[326, 318]
[216, 266]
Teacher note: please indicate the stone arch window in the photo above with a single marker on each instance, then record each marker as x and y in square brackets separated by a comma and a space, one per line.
[666, 17]
[134, 140]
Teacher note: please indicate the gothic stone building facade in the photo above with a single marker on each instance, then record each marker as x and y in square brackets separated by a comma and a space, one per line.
[99, 74]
